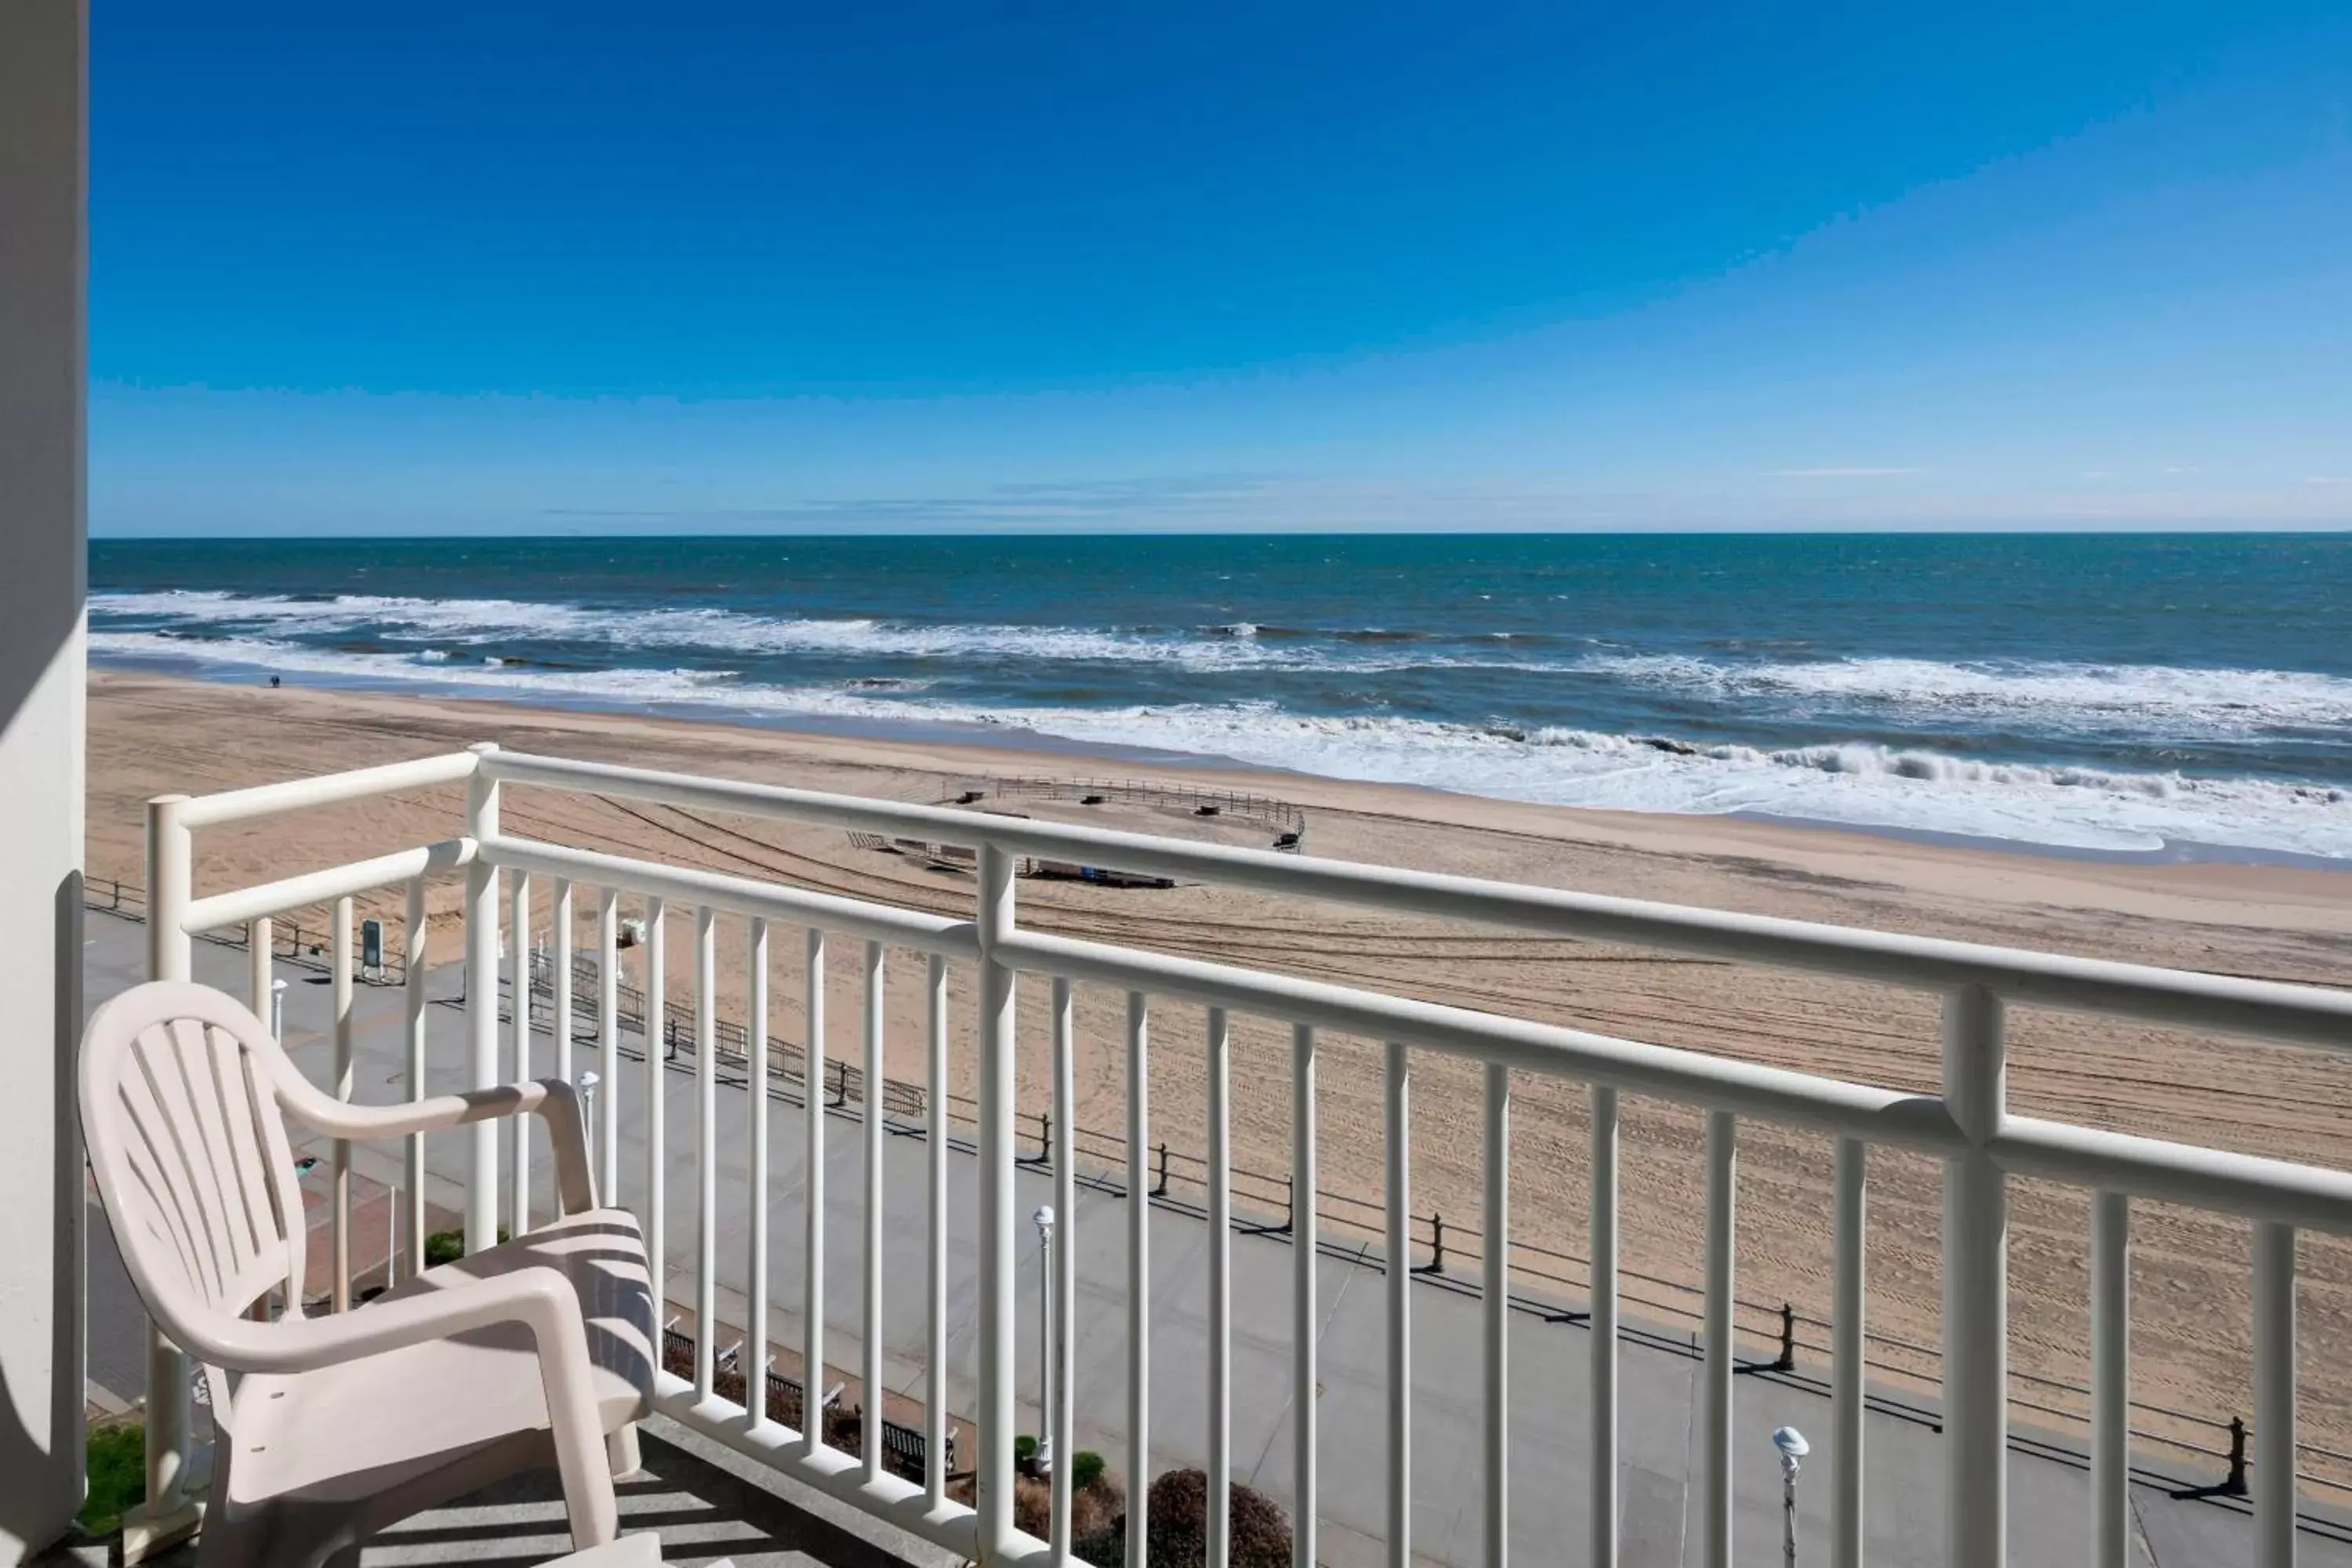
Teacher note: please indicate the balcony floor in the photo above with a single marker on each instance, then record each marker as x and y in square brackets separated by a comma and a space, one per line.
[704, 1502]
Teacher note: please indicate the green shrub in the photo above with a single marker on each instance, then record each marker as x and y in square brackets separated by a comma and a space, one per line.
[448, 1246]
[117, 1456]
[1086, 1469]
[1176, 1512]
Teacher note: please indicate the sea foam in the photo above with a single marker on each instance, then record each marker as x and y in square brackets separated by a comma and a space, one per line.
[1861, 785]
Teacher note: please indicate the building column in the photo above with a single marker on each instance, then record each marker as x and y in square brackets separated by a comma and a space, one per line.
[43, 266]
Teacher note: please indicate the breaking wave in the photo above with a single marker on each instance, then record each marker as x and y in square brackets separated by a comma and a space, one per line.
[1868, 786]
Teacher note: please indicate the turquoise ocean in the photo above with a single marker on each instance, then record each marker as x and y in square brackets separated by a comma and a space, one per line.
[2162, 696]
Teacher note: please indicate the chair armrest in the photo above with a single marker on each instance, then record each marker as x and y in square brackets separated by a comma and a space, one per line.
[551, 1100]
[542, 1299]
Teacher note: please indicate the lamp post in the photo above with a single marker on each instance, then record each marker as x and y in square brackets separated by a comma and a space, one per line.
[588, 1082]
[1793, 1449]
[1044, 1221]
[278, 1011]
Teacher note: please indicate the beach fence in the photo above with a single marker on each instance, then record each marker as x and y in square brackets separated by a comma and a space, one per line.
[1980, 1146]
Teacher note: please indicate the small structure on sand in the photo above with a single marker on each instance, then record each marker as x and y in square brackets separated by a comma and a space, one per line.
[1128, 806]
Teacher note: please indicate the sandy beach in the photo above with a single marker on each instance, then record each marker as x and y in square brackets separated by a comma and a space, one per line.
[151, 735]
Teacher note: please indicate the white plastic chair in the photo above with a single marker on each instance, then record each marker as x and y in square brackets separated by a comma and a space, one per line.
[537, 1350]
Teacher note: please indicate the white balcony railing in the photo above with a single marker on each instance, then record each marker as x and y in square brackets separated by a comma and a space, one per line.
[1968, 1127]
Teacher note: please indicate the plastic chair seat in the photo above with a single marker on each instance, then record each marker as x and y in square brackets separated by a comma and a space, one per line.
[349, 1433]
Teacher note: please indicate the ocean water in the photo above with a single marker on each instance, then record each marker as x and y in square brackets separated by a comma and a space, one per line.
[2170, 695]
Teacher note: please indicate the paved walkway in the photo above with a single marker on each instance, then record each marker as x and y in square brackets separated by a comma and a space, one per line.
[2048, 1489]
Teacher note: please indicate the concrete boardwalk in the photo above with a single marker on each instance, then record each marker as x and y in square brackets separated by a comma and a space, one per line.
[2049, 1490]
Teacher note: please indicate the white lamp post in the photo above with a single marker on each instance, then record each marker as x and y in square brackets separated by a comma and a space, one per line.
[1044, 1221]
[588, 1082]
[1793, 1449]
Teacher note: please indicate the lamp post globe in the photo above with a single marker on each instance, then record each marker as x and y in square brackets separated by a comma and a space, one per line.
[1793, 1449]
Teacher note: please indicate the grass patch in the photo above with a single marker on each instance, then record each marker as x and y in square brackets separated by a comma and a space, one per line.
[118, 1476]
[448, 1246]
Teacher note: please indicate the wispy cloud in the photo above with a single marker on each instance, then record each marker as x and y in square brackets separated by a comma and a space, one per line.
[1105, 503]
[2329, 479]
[1838, 473]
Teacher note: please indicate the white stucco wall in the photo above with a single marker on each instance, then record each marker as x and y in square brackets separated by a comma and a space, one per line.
[43, 255]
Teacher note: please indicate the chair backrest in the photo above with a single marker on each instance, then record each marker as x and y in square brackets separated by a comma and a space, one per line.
[180, 1114]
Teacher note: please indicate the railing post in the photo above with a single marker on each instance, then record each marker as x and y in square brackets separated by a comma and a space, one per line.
[1849, 1369]
[169, 1514]
[2274, 1359]
[655, 1217]
[755, 1105]
[1496, 1305]
[1603, 1239]
[2110, 1380]
[812, 1200]
[1217, 1530]
[340, 969]
[935, 1251]
[1306, 1320]
[525, 982]
[1397, 1194]
[482, 1002]
[1976, 1287]
[561, 919]
[705, 1152]
[1722, 1251]
[993, 1483]
[608, 1041]
[412, 975]
[870, 1371]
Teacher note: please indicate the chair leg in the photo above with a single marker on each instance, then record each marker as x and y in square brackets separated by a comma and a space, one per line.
[588, 1499]
[621, 1448]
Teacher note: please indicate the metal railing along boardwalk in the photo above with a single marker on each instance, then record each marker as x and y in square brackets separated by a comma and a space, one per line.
[1967, 1126]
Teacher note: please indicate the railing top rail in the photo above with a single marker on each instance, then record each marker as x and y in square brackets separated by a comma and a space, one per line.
[2312, 1197]
[738, 895]
[2306, 1014]
[325, 789]
[267, 899]
[1806, 1100]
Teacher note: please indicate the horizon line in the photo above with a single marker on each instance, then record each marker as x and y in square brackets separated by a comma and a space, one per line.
[435, 535]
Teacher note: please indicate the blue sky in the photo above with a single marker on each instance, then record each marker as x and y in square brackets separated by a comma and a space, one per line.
[710, 267]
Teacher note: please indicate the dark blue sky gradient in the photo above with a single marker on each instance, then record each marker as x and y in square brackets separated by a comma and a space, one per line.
[831, 255]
